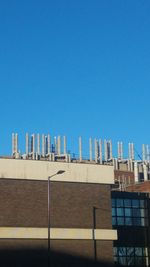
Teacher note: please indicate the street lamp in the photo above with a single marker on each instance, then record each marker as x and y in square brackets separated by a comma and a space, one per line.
[94, 228]
[49, 177]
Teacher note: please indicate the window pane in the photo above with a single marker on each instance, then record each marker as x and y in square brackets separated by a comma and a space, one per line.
[120, 221]
[130, 256]
[136, 212]
[115, 260]
[113, 202]
[113, 220]
[130, 251]
[142, 204]
[115, 250]
[143, 222]
[128, 221]
[119, 202]
[137, 221]
[143, 213]
[138, 261]
[130, 261]
[127, 202]
[127, 212]
[138, 251]
[135, 203]
[120, 212]
[121, 251]
[122, 260]
[113, 212]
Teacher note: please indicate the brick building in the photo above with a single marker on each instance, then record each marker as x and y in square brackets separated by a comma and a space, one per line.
[76, 223]
[67, 218]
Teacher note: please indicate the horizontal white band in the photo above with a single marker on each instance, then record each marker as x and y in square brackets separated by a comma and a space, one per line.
[40, 170]
[57, 233]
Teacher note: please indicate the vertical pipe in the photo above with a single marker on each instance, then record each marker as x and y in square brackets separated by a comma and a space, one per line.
[121, 150]
[38, 144]
[34, 137]
[143, 152]
[116, 164]
[105, 150]
[145, 172]
[59, 145]
[147, 153]
[13, 143]
[43, 145]
[65, 145]
[46, 145]
[129, 151]
[90, 146]
[55, 145]
[96, 150]
[136, 174]
[132, 149]
[110, 150]
[33, 146]
[49, 143]
[129, 165]
[100, 151]
[16, 142]
[27, 144]
[119, 155]
[80, 148]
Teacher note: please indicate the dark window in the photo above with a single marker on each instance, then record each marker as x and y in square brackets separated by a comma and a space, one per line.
[130, 256]
[129, 212]
[119, 202]
[127, 202]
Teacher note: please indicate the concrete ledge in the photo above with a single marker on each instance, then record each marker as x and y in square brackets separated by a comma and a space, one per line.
[57, 233]
[40, 170]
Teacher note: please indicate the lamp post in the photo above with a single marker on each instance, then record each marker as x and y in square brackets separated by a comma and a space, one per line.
[94, 228]
[48, 200]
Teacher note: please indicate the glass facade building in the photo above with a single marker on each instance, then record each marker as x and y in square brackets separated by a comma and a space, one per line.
[130, 216]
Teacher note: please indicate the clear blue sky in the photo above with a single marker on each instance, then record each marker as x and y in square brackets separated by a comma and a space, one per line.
[75, 68]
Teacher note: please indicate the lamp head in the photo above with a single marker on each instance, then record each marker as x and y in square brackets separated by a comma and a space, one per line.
[60, 171]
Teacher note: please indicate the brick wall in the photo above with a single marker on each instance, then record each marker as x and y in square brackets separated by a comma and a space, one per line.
[139, 187]
[126, 177]
[23, 203]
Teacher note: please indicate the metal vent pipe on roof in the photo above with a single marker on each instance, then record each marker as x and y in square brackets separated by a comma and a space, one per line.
[90, 148]
[27, 144]
[49, 143]
[80, 148]
[59, 145]
[65, 145]
[96, 150]
[38, 144]
[13, 143]
[43, 145]
[143, 152]
[100, 151]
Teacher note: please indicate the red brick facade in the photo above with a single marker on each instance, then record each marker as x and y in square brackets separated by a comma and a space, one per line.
[24, 204]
